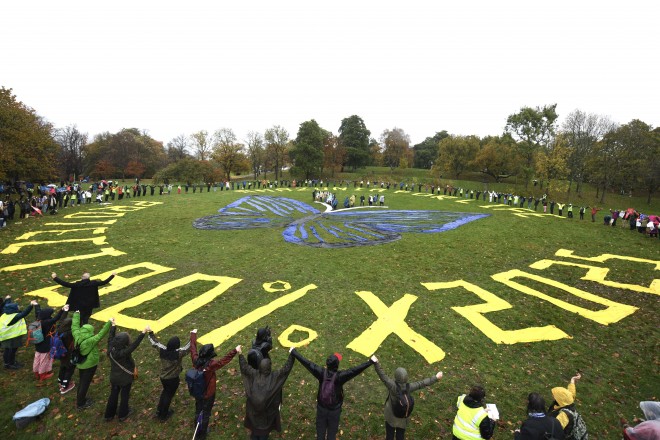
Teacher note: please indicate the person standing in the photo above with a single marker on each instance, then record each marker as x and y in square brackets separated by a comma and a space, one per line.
[204, 361]
[84, 295]
[170, 369]
[472, 420]
[538, 426]
[122, 368]
[330, 395]
[12, 329]
[395, 425]
[43, 363]
[85, 338]
[263, 390]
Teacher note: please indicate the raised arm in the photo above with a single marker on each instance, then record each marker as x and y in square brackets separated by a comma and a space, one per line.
[60, 281]
[107, 280]
[316, 371]
[346, 375]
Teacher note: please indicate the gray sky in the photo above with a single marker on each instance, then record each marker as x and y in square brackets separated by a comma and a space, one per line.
[424, 66]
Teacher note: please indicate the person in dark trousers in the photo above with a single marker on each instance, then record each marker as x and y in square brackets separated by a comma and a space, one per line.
[204, 361]
[85, 338]
[263, 390]
[122, 371]
[170, 369]
[396, 426]
[12, 330]
[66, 367]
[328, 413]
[538, 426]
[84, 295]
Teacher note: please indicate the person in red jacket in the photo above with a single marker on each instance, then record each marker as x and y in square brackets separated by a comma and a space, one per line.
[204, 360]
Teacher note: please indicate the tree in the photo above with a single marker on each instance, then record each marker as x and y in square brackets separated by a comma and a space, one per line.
[277, 139]
[187, 170]
[227, 152]
[72, 147]
[134, 168]
[552, 162]
[395, 147]
[255, 147]
[354, 138]
[201, 143]
[306, 153]
[375, 153]
[332, 155]
[498, 157]
[27, 148]
[581, 131]
[177, 148]
[455, 153]
[533, 128]
[426, 152]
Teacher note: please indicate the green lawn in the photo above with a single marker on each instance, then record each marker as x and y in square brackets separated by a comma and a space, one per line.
[619, 360]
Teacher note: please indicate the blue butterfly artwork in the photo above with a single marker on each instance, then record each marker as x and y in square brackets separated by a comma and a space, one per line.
[305, 225]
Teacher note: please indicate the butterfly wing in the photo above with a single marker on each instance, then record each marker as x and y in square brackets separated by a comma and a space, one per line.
[255, 212]
[363, 227]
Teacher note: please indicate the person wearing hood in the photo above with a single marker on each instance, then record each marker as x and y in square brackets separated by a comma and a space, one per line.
[649, 427]
[122, 371]
[84, 294]
[563, 407]
[261, 345]
[66, 367]
[171, 356]
[43, 363]
[472, 420]
[204, 361]
[539, 425]
[263, 389]
[87, 341]
[328, 413]
[396, 426]
[12, 329]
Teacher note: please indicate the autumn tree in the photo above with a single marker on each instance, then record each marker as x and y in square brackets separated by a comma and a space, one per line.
[72, 145]
[455, 153]
[375, 153]
[202, 144]
[187, 170]
[533, 128]
[306, 153]
[396, 144]
[426, 151]
[277, 139]
[552, 162]
[255, 151]
[354, 139]
[498, 157]
[227, 152]
[332, 154]
[27, 148]
[134, 168]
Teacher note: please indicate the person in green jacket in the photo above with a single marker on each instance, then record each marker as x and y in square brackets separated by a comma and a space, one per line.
[85, 338]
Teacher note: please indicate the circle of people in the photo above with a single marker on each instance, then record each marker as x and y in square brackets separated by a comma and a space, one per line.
[75, 344]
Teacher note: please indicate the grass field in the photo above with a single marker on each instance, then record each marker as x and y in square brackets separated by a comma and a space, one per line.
[579, 316]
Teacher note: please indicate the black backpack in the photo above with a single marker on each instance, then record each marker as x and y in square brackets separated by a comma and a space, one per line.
[404, 403]
[327, 396]
[77, 357]
[196, 383]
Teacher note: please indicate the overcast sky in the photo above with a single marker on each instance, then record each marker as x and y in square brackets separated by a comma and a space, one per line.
[423, 66]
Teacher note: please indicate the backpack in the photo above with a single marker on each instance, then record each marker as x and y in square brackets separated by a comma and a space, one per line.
[77, 357]
[327, 396]
[57, 348]
[579, 431]
[254, 357]
[404, 403]
[35, 334]
[196, 383]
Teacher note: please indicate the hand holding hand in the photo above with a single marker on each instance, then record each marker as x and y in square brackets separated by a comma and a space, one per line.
[193, 330]
[292, 348]
[114, 274]
[33, 302]
[147, 329]
[239, 349]
[439, 375]
[374, 359]
[65, 308]
[112, 320]
[53, 275]
[8, 297]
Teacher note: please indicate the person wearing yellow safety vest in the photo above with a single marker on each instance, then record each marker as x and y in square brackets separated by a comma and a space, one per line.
[472, 420]
[12, 329]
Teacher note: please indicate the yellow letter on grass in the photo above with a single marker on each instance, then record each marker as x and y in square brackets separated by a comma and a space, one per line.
[392, 320]
[492, 303]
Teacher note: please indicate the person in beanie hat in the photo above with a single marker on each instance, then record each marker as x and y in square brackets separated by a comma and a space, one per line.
[204, 361]
[330, 395]
[170, 369]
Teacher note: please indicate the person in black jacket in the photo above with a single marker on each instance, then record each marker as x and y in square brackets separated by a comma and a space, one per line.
[84, 295]
[328, 413]
[538, 425]
[171, 356]
[43, 363]
[122, 367]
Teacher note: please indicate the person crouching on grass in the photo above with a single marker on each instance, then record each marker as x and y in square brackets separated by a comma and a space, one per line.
[122, 371]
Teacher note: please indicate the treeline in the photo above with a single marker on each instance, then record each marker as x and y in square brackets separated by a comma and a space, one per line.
[533, 147]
